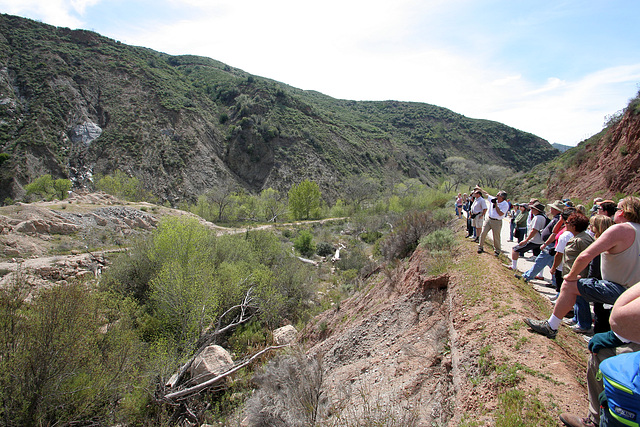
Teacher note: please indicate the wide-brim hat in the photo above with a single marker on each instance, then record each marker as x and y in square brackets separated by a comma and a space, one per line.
[537, 206]
[557, 205]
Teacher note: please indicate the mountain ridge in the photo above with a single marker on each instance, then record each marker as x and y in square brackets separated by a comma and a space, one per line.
[186, 124]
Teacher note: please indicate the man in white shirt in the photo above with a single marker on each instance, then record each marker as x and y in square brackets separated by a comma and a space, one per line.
[478, 211]
[497, 209]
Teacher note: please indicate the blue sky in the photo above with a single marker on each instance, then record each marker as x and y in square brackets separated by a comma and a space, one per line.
[552, 68]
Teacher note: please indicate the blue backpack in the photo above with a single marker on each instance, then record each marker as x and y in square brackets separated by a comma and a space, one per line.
[621, 380]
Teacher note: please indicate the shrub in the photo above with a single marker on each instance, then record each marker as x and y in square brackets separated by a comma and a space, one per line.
[57, 367]
[439, 240]
[288, 393]
[304, 243]
[352, 259]
[406, 235]
[324, 249]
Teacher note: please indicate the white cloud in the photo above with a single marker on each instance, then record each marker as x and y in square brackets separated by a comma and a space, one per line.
[53, 12]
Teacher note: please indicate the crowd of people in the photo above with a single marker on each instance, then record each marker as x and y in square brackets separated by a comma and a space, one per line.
[594, 260]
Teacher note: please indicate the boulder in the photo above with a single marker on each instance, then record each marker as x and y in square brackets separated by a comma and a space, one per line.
[285, 335]
[213, 361]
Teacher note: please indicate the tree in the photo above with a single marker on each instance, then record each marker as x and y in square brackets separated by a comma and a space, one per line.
[46, 188]
[359, 189]
[272, 205]
[121, 185]
[303, 199]
[221, 197]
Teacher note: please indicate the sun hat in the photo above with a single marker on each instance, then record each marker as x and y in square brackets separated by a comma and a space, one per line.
[557, 205]
[537, 206]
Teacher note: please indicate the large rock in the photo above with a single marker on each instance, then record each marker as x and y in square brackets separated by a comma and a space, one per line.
[285, 335]
[213, 361]
[85, 133]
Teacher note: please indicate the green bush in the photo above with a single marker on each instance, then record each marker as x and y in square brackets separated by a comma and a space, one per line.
[121, 185]
[66, 357]
[352, 258]
[324, 249]
[439, 240]
[304, 243]
[45, 187]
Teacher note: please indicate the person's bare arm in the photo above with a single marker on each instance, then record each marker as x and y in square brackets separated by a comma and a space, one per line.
[625, 316]
[615, 239]
[557, 260]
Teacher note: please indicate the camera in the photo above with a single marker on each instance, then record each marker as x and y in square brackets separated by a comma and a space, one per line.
[494, 201]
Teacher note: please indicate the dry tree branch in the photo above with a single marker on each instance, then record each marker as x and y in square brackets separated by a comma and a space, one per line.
[215, 380]
[247, 312]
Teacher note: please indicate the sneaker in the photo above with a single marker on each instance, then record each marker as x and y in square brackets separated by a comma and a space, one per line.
[476, 240]
[570, 322]
[578, 330]
[509, 266]
[510, 240]
[541, 327]
[480, 250]
[575, 421]
[555, 297]
[496, 253]
[518, 276]
[539, 278]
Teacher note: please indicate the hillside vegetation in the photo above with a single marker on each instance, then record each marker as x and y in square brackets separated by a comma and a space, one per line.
[74, 104]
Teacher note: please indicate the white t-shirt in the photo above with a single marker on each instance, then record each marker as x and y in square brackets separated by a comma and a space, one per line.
[562, 243]
[537, 223]
[478, 205]
[493, 213]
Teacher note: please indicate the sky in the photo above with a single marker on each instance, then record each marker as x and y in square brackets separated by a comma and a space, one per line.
[556, 68]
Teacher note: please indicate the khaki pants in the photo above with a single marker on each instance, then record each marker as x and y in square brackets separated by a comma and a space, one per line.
[595, 387]
[496, 227]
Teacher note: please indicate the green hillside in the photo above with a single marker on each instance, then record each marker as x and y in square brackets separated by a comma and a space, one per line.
[74, 104]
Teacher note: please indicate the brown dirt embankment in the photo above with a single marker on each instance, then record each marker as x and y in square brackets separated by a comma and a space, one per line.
[449, 348]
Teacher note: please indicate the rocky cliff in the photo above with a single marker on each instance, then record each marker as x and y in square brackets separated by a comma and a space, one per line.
[605, 165]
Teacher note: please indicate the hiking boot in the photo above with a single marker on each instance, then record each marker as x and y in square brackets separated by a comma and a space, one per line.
[541, 327]
[575, 421]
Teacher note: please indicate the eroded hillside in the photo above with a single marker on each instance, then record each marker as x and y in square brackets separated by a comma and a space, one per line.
[449, 348]
[605, 165]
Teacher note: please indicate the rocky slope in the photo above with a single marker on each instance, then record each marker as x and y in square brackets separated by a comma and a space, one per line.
[606, 165]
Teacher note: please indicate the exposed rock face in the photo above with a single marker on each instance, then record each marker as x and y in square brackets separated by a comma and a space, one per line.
[85, 133]
[213, 361]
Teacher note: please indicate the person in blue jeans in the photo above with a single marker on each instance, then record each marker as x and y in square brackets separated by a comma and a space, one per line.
[545, 258]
